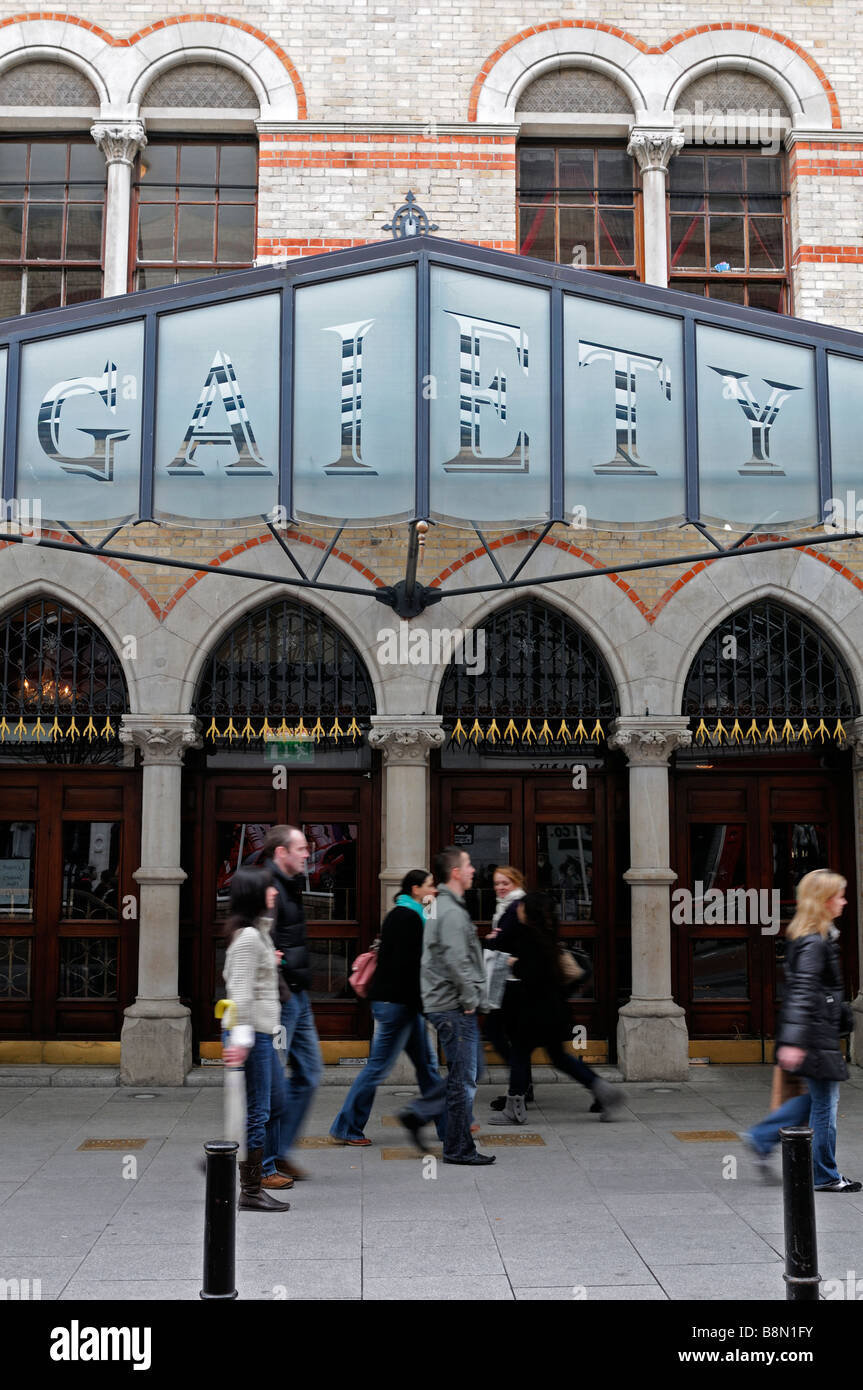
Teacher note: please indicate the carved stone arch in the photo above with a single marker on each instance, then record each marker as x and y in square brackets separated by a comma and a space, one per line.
[277, 86]
[191, 56]
[63, 56]
[793, 77]
[521, 64]
[573, 62]
[728, 63]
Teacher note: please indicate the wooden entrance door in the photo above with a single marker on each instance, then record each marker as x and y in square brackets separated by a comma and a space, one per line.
[564, 842]
[340, 815]
[758, 831]
[70, 841]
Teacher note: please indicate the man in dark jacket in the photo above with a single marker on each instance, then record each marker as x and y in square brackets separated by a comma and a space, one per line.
[286, 850]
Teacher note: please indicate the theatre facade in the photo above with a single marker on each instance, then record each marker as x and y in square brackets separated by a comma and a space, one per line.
[419, 541]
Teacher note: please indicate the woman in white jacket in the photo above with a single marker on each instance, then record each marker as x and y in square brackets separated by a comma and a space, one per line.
[252, 984]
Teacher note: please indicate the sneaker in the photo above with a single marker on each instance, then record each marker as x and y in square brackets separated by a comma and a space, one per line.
[842, 1185]
[761, 1160]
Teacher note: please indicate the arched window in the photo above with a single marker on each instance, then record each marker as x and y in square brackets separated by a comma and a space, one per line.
[63, 690]
[284, 670]
[577, 198]
[529, 677]
[767, 674]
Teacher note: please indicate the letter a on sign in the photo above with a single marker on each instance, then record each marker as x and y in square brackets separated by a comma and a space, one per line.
[221, 384]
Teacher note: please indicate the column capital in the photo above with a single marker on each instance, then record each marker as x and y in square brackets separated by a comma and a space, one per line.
[649, 742]
[653, 148]
[406, 739]
[162, 738]
[119, 141]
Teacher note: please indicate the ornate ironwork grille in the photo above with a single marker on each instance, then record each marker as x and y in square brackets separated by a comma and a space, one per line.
[769, 665]
[532, 676]
[284, 669]
[63, 693]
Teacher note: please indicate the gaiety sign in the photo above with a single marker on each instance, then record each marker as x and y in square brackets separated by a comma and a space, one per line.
[436, 380]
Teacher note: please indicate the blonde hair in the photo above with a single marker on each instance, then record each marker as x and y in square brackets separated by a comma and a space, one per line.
[515, 876]
[814, 891]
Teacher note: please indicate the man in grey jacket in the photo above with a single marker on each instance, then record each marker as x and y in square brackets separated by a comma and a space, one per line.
[452, 983]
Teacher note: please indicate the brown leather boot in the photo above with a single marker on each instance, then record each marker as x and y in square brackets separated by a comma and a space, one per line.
[252, 1197]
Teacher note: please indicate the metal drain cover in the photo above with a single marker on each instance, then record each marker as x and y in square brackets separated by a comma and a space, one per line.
[112, 1144]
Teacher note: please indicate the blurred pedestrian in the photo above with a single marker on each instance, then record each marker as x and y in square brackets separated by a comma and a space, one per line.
[509, 887]
[397, 1009]
[251, 980]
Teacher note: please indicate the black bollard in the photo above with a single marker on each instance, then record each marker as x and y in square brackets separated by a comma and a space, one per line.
[220, 1220]
[801, 1276]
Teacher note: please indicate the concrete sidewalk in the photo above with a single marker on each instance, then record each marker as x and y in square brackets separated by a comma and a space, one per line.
[598, 1211]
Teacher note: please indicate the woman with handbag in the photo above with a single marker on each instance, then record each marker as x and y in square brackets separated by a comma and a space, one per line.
[509, 889]
[397, 1008]
[536, 1015]
[814, 1017]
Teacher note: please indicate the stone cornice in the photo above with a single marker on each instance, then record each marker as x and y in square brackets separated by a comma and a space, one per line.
[161, 738]
[649, 742]
[408, 739]
[429, 128]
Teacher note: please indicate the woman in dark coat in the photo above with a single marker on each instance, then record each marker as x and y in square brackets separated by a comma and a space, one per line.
[397, 1009]
[536, 1015]
[814, 1016]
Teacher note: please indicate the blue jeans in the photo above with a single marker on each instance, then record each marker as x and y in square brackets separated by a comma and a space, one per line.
[304, 1058]
[266, 1093]
[458, 1037]
[825, 1103]
[397, 1028]
[765, 1135]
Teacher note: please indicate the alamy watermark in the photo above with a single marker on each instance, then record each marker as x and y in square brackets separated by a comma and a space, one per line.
[727, 907]
[734, 126]
[21, 516]
[436, 646]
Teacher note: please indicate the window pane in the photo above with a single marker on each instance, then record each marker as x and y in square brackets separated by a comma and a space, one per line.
[575, 176]
[149, 279]
[766, 248]
[237, 233]
[726, 243]
[616, 238]
[614, 176]
[488, 846]
[198, 165]
[730, 292]
[84, 233]
[13, 168]
[687, 243]
[764, 184]
[11, 222]
[564, 868]
[10, 293]
[718, 857]
[719, 970]
[331, 873]
[577, 242]
[798, 848]
[14, 967]
[195, 233]
[725, 177]
[689, 286]
[329, 962]
[45, 232]
[17, 864]
[767, 297]
[536, 171]
[82, 285]
[238, 843]
[44, 290]
[47, 171]
[238, 173]
[88, 968]
[156, 232]
[87, 165]
[536, 232]
[686, 183]
[91, 861]
[157, 172]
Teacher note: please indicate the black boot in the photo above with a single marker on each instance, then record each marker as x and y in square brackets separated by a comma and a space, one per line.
[252, 1196]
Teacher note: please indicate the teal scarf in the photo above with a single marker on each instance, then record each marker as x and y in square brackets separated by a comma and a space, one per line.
[405, 900]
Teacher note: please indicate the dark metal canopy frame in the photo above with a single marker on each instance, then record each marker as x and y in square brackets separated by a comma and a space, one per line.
[422, 253]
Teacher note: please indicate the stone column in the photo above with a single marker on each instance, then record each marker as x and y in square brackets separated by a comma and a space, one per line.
[857, 1003]
[406, 741]
[653, 150]
[652, 1041]
[157, 1032]
[119, 142]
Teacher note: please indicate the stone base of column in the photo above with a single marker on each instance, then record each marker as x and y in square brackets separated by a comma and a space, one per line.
[857, 1035]
[155, 1043]
[652, 1041]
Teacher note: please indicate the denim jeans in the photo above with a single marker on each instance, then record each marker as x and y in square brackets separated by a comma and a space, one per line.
[822, 1117]
[765, 1135]
[306, 1068]
[397, 1029]
[266, 1093]
[457, 1032]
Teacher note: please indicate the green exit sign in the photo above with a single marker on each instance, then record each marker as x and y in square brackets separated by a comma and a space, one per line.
[291, 750]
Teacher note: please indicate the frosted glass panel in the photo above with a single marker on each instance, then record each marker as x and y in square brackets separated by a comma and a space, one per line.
[623, 423]
[491, 411]
[757, 437]
[845, 378]
[217, 412]
[355, 398]
[79, 427]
